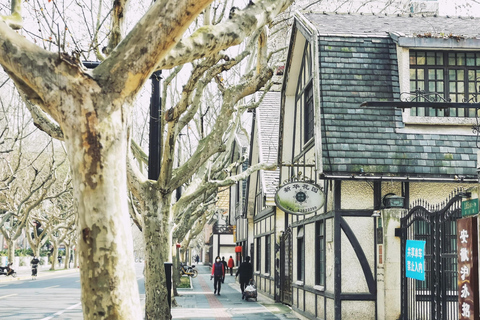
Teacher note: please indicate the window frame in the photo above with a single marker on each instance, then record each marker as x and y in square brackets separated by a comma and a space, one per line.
[268, 249]
[301, 253]
[424, 124]
[308, 115]
[320, 262]
[259, 255]
[447, 73]
[304, 87]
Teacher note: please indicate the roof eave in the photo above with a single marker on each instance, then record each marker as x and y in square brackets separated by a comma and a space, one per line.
[446, 42]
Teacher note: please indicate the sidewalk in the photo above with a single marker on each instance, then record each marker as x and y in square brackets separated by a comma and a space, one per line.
[200, 303]
[25, 272]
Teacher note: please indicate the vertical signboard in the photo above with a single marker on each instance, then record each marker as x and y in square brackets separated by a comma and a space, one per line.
[467, 239]
[415, 259]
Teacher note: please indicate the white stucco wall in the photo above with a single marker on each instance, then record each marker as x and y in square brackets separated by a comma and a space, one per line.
[353, 278]
[356, 310]
[357, 195]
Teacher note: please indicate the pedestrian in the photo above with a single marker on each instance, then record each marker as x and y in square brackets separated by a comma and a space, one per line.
[225, 267]
[218, 273]
[197, 259]
[231, 264]
[246, 273]
[34, 264]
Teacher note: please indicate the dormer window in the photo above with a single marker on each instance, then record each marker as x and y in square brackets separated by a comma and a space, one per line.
[450, 75]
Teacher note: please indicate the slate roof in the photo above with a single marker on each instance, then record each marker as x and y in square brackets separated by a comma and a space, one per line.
[381, 25]
[357, 65]
[267, 122]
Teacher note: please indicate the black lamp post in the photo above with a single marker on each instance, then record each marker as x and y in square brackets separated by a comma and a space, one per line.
[155, 137]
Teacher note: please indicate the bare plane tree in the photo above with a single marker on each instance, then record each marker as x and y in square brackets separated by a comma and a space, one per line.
[93, 110]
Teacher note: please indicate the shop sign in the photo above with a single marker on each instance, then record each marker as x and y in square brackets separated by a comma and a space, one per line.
[467, 239]
[469, 207]
[415, 260]
[300, 197]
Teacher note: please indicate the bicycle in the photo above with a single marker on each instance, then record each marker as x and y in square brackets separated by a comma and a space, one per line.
[189, 271]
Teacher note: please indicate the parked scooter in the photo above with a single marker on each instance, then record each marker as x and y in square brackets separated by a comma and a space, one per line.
[8, 271]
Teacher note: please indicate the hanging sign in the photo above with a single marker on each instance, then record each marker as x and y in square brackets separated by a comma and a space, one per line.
[300, 197]
[467, 239]
[415, 259]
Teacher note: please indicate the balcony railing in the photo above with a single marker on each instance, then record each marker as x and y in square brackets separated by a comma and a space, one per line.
[222, 229]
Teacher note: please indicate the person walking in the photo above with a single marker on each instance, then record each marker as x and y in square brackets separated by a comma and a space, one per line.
[246, 273]
[218, 273]
[231, 264]
[34, 262]
[225, 267]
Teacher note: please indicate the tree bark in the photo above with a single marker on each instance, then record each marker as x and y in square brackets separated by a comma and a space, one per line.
[11, 250]
[54, 256]
[156, 233]
[109, 286]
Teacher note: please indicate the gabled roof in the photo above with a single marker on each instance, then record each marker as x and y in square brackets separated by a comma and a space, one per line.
[267, 122]
[358, 62]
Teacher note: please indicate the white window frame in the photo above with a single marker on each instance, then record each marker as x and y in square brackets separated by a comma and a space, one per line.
[419, 124]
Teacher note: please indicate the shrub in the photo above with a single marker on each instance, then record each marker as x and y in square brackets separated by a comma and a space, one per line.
[24, 252]
[184, 282]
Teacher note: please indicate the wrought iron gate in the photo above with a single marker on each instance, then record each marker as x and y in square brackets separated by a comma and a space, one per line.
[436, 297]
[286, 272]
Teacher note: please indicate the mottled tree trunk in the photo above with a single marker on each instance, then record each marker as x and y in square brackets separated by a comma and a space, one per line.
[156, 233]
[176, 271]
[67, 257]
[105, 245]
[54, 256]
[11, 250]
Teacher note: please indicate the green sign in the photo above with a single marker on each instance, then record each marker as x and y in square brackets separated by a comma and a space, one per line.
[469, 207]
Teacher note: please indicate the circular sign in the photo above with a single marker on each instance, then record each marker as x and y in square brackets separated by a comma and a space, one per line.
[300, 197]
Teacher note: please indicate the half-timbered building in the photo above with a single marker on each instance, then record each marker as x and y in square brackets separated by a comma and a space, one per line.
[378, 112]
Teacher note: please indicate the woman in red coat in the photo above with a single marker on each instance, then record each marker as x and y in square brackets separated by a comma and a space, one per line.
[231, 264]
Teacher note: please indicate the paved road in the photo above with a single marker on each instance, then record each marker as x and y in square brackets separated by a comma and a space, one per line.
[56, 295]
[53, 295]
[199, 302]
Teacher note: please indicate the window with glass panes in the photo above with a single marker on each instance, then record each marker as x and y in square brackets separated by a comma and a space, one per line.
[304, 94]
[320, 253]
[267, 253]
[453, 75]
[259, 253]
[300, 254]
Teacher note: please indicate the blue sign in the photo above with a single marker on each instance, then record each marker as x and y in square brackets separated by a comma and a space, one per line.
[415, 259]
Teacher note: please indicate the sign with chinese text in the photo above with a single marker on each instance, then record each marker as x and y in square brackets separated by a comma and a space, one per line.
[415, 259]
[467, 239]
[469, 207]
[299, 197]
